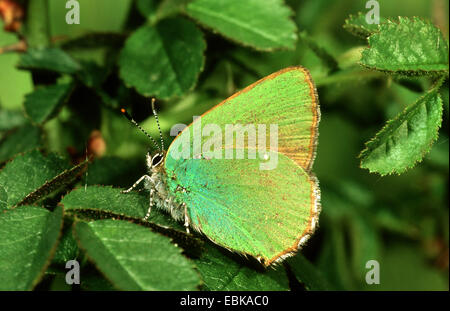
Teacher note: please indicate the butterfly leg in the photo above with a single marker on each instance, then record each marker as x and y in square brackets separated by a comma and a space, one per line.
[145, 177]
[152, 193]
[186, 218]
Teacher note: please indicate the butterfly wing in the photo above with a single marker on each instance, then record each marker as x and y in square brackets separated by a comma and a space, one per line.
[266, 214]
[263, 213]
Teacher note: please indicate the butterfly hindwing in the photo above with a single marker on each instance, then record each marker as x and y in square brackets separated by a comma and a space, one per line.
[240, 207]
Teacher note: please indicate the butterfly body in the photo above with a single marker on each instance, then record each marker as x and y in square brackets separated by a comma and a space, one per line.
[231, 194]
[156, 184]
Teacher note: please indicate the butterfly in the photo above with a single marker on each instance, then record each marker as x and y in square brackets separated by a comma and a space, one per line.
[230, 194]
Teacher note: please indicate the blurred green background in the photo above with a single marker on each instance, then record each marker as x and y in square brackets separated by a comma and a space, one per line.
[400, 221]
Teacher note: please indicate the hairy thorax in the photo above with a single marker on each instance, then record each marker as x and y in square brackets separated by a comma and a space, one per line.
[162, 198]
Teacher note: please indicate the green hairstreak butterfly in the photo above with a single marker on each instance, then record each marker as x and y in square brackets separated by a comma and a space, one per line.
[247, 191]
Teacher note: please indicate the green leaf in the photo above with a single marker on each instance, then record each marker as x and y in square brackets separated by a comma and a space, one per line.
[327, 59]
[29, 237]
[22, 139]
[93, 280]
[409, 46]
[165, 60]
[334, 260]
[67, 247]
[406, 139]
[263, 25]
[57, 183]
[93, 201]
[51, 59]
[27, 176]
[42, 103]
[357, 25]
[92, 74]
[307, 273]
[134, 258]
[147, 8]
[96, 202]
[220, 272]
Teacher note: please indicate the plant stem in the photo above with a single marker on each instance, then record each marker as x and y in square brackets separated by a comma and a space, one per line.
[37, 24]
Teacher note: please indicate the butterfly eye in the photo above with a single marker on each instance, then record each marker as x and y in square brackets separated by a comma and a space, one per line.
[157, 159]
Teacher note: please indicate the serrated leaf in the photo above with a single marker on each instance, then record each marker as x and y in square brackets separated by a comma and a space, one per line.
[165, 60]
[135, 258]
[406, 139]
[409, 46]
[221, 272]
[26, 174]
[22, 139]
[28, 238]
[358, 26]
[51, 59]
[307, 273]
[96, 202]
[41, 104]
[58, 182]
[263, 25]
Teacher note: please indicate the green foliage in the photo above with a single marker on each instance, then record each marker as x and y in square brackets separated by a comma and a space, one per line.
[19, 139]
[190, 55]
[172, 51]
[28, 173]
[45, 101]
[357, 25]
[262, 25]
[135, 258]
[92, 201]
[405, 139]
[29, 236]
[235, 276]
[51, 59]
[410, 46]
[307, 274]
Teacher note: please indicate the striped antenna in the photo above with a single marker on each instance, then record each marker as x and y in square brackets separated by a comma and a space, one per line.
[126, 114]
[157, 122]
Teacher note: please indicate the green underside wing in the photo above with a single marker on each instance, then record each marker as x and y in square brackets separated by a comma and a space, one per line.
[259, 202]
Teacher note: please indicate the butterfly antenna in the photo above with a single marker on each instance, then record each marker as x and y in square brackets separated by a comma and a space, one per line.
[157, 122]
[127, 115]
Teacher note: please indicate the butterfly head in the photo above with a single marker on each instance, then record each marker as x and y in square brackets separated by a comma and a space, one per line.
[154, 163]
